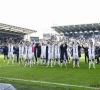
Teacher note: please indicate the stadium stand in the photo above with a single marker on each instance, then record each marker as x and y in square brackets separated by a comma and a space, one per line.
[9, 31]
[81, 30]
[83, 33]
[13, 32]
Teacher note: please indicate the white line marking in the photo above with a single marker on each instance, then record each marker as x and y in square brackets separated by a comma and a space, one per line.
[19, 65]
[7, 66]
[52, 83]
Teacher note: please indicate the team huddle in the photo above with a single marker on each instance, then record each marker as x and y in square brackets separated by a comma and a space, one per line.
[48, 54]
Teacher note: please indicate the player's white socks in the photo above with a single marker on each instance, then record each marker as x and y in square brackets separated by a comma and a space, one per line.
[73, 63]
[93, 64]
[5, 58]
[54, 62]
[51, 63]
[61, 64]
[78, 63]
[25, 64]
[89, 64]
[41, 61]
[44, 61]
[38, 61]
[13, 61]
[65, 62]
[30, 63]
[19, 62]
[48, 63]
[33, 59]
[69, 60]
[59, 61]
[14, 57]
[22, 61]
[8, 61]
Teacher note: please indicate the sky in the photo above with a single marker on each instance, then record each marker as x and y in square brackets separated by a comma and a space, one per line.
[40, 15]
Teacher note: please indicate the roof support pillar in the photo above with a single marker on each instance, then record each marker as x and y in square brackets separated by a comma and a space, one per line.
[73, 34]
[93, 34]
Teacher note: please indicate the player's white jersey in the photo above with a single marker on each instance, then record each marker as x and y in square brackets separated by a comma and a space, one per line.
[25, 47]
[75, 52]
[57, 49]
[68, 51]
[50, 52]
[10, 48]
[91, 49]
[21, 50]
[91, 52]
[43, 49]
[51, 49]
[28, 52]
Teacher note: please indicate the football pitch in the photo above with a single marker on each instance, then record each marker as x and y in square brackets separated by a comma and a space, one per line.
[41, 78]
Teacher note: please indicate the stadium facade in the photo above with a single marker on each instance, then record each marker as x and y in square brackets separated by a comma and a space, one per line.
[80, 30]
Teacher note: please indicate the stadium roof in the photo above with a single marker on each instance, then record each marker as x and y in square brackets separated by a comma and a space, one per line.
[4, 28]
[77, 28]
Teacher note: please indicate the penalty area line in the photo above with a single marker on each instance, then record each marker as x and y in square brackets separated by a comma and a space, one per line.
[50, 83]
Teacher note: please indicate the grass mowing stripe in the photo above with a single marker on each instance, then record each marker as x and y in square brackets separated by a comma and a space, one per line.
[61, 84]
[82, 77]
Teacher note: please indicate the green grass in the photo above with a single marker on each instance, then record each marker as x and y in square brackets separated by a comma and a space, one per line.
[74, 76]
